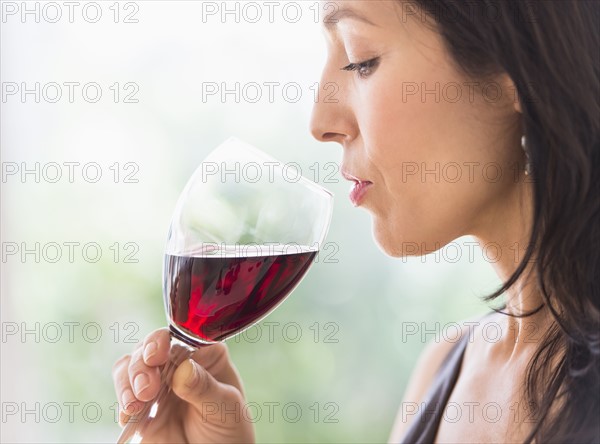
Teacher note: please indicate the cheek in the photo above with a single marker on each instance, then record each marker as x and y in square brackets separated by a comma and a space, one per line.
[404, 125]
[427, 156]
[405, 137]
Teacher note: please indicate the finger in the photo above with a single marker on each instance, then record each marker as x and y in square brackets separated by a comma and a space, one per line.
[216, 360]
[128, 403]
[144, 380]
[195, 385]
[156, 347]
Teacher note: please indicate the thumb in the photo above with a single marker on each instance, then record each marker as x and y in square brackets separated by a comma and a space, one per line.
[193, 384]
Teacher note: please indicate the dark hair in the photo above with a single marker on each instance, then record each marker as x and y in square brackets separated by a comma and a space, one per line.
[550, 50]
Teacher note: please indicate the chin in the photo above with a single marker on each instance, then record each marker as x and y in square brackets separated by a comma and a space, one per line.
[386, 241]
[394, 242]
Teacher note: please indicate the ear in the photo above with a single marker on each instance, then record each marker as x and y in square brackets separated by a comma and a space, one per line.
[508, 86]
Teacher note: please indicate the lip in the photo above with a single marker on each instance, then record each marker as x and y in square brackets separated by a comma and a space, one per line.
[359, 187]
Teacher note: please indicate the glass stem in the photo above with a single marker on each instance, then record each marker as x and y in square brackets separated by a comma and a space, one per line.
[137, 424]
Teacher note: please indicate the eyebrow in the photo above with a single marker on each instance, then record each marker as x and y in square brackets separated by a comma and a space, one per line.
[332, 19]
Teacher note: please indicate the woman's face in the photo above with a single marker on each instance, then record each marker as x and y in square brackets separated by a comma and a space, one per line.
[426, 144]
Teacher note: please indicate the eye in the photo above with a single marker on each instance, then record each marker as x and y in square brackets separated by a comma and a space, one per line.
[364, 69]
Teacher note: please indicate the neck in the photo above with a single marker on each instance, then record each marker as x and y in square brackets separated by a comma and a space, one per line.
[508, 229]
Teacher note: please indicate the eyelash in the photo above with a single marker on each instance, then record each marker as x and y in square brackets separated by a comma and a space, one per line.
[359, 67]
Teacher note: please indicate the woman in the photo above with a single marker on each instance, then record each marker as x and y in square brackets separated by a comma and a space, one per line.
[457, 118]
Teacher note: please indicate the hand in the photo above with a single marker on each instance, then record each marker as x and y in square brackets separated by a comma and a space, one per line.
[206, 401]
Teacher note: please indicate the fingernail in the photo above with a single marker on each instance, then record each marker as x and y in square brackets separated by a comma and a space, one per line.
[192, 378]
[150, 350]
[141, 383]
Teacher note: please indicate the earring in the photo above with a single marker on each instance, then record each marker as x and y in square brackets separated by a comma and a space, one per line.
[527, 162]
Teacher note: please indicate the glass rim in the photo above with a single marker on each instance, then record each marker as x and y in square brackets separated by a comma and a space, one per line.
[268, 157]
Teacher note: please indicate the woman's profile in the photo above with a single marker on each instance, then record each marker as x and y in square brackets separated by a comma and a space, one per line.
[504, 96]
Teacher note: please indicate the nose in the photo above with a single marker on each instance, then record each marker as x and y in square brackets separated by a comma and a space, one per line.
[332, 119]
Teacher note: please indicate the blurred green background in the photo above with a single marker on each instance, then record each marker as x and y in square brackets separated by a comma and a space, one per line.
[333, 360]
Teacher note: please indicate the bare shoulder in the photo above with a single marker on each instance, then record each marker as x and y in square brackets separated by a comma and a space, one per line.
[423, 374]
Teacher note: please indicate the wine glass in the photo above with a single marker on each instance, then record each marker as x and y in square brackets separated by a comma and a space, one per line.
[245, 230]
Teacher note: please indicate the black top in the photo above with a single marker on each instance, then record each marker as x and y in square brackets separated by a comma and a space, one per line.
[427, 420]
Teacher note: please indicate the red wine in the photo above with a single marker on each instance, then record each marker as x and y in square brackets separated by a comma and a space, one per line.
[215, 296]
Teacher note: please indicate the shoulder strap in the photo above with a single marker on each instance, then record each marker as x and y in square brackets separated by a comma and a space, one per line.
[424, 426]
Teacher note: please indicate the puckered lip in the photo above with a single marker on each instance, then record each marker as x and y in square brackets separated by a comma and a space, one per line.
[353, 178]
